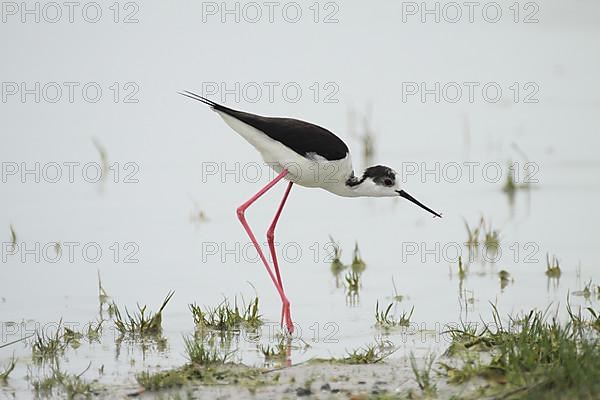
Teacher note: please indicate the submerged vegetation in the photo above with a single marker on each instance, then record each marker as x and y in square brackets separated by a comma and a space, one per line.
[358, 265]
[490, 239]
[13, 235]
[352, 282]
[472, 234]
[462, 271]
[63, 384]
[337, 266]
[104, 163]
[368, 354]
[227, 317]
[49, 345]
[279, 352]
[206, 364]
[552, 267]
[532, 356]
[221, 374]
[512, 185]
[198, 353]
[423, 375]
[505, 278]
[141, 323]
[384, 319]
[7, 369]
[589, 291]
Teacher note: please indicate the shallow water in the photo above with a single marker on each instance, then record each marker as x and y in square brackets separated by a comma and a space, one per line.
[185, 159]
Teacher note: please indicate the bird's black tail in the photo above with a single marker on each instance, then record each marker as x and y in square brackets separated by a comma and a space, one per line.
[206, 101]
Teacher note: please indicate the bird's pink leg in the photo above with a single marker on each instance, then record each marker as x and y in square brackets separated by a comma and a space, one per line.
[285, 311]
[240, 213]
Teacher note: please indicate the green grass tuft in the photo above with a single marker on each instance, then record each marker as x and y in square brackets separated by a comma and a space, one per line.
[200, 354]
[142, 323]
[227, 317]
[384, 319]
[7, 369]
[13, 235]
[552, 267]
[337, 266]
[423, 375]
[278, 352]
[358, 265]
[369, 354]
[48, 346]
[352, 282]
[162, 380]
[63, 385]
[531, 357]
[473, 234]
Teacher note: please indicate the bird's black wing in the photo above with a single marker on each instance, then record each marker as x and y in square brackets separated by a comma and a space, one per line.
[303, 137]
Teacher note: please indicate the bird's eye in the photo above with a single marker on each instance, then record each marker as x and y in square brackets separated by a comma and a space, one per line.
[388, 182]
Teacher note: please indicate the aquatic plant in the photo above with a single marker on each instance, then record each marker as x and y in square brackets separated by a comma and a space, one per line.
[69, 385]
[383, 319]
[227, 317]
[533, 356]
[462, 272]
[200, 354]
[47, 346]
[13, 235]
[7, 369]
[423, 375]
[397, 297]
[358, 265]
[552, 267]
[93, 332]
[352, 282]
[587, 290]
[511, 186]
[368, 354]
[278, 352]
[505, 278]
[142, 322]
[337, 266]
[473, 233]
[202, 374]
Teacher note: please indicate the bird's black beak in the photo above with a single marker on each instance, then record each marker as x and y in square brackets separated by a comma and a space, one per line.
[407, 196]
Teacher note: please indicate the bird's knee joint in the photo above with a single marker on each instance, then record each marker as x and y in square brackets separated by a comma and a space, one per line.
[270, 235]
[240, 212]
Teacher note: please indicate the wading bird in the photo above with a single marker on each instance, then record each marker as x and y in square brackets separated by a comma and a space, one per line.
[310, 156]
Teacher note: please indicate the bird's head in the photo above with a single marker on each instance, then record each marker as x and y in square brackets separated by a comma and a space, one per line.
[382, 181]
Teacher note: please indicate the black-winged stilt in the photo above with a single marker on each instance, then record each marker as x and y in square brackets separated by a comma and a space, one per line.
[307, 155]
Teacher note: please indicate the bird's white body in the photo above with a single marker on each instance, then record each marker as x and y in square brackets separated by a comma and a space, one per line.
[314, 171]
